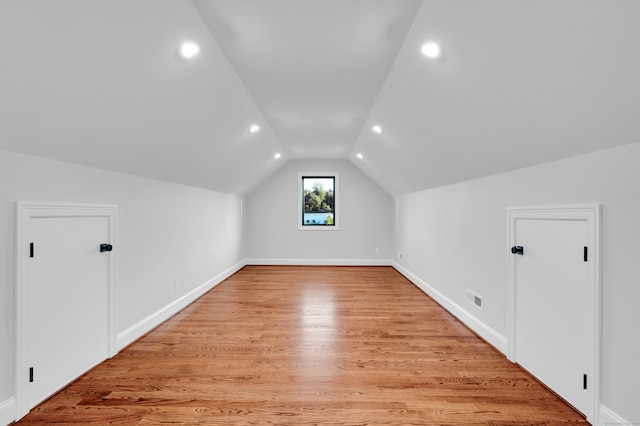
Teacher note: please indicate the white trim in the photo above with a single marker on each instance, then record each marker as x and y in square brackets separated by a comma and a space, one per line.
[24, 211]
[336, 195]
[319, 262]
[494, 338]
[591, 214]
[7, 411]
[609, 418]
[142, 327]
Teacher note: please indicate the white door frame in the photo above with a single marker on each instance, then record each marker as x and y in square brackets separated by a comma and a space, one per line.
[24, 212]
[591, 214]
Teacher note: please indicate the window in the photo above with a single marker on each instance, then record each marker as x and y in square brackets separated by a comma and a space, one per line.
[318, 201]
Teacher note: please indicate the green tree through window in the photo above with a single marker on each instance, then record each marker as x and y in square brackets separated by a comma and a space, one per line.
[319, 200]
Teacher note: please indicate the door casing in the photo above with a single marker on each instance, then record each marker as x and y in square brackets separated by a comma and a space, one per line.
[25, 211]
[591, 214]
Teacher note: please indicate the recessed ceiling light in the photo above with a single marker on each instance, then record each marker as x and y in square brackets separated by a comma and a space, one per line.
[377, 129]
[431, 50]
[254, 128]
[189, 49]
[360, 156]
[277, 156]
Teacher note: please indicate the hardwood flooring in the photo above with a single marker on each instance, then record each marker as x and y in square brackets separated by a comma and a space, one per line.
[308, 345]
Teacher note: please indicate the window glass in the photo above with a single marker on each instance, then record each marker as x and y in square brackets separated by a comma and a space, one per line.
[318, 201]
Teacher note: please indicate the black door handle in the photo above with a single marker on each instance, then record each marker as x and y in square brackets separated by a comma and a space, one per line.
[517, 250]
[105, 247]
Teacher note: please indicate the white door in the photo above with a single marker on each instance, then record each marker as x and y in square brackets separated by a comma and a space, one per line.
[65, 300]
[553, 303]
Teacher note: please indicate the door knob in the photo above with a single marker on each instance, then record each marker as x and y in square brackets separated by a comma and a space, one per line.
[105, 247]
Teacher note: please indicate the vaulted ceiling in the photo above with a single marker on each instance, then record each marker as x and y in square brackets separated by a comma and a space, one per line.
[100, 83]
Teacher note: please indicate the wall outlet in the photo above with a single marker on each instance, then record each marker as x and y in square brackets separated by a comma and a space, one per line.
[377, 250]
[400, 255]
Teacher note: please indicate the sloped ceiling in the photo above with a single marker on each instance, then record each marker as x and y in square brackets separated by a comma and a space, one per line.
[100, 83]
[313, 67]
[519, 83]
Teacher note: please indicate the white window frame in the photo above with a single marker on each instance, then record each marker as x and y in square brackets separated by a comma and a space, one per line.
[336, 195]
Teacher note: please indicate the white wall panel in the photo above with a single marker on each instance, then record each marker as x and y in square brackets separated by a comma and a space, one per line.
[364, 211]
[455, 238]
[166, 232]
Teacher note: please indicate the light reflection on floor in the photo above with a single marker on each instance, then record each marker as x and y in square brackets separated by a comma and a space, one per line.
[318, 338]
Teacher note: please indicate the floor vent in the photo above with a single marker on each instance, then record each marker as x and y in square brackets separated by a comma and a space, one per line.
[474, 298]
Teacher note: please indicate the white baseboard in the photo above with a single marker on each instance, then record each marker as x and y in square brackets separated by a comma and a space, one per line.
[494, 338]
[147, 324]
[8, 412]
[319, 262]
[609, 418]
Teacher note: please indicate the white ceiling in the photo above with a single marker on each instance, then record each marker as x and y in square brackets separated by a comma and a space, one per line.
[313, 67]
[100, 83]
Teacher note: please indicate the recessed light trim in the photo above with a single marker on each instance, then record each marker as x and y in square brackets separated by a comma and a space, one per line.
[189, 50]
[431, 50]
[376, 129]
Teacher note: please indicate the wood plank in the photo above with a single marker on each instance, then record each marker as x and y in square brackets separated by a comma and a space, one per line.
[308, 345]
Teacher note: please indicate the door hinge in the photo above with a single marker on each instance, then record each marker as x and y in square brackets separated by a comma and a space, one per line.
[30, 249]
[585, 254]
[31, 375]
[517, 250]
[584, 381]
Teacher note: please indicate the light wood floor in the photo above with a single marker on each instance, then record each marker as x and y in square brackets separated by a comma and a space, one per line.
[308, 345]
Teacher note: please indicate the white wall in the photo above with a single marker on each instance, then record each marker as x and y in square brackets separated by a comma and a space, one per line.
[165, 232]
[169, 232]
[460, 232]
[364, 214]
